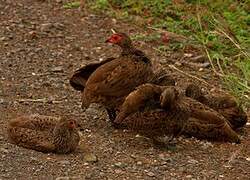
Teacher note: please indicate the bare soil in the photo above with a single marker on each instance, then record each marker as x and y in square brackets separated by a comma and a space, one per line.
[41, 46]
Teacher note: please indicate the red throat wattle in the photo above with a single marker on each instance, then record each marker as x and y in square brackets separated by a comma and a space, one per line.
[72, 124]
[115, 38]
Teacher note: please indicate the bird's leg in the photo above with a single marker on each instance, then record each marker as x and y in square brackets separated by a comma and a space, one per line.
[111, 114]
[164, 143]
[112, 117]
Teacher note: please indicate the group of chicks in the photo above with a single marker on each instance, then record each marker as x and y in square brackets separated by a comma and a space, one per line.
[135, 98]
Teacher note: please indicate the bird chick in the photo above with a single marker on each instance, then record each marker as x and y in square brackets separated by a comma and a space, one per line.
[153, 111]
[224, 103]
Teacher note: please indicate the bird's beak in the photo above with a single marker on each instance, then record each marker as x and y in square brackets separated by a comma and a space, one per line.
[109, 40]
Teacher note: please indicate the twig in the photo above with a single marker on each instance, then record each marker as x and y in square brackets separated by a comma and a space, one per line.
[42, 100]
[204, 46]
[43, 74]
[218, 64]
[189, 75]
[231, 39]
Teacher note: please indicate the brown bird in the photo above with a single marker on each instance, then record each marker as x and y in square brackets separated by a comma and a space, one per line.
[79, 78]
[44, 133]
[157, 111]
[111, 82]
[154, 111]
[206, 123]
[224, 103]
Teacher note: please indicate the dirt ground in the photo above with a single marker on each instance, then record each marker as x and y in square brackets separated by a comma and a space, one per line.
[41, 45]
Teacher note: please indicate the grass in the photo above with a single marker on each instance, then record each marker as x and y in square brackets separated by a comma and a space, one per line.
[219, 28]
[71, 5]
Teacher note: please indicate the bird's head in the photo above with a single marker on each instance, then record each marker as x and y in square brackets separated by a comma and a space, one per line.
[120, 39]
[168, 97]
[194, 91]
[71, 124]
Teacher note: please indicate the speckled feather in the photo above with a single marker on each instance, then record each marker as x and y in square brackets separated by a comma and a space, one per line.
[142, 111]
[224, 103]
[43, 133]
[145, 112]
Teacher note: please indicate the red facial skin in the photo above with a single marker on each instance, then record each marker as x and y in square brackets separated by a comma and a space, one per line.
[114, 39]
[72, 124]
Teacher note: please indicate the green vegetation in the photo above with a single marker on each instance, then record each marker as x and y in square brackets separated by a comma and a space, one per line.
[219, 28]
[71, 5]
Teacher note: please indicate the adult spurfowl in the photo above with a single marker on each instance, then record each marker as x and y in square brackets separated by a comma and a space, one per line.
[111, 82]
[44, 133]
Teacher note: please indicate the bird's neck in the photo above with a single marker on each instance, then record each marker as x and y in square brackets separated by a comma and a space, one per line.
[128, 49]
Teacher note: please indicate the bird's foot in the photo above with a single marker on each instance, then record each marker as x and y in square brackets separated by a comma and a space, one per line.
[165, 143]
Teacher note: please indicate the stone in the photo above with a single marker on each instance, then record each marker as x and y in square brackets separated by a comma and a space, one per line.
[139, 163]
[4, 150]
[46, 27]
[57, 69]
[90, 157]
[150, 174]
[192, 161]
[120, 165]
[64, 162]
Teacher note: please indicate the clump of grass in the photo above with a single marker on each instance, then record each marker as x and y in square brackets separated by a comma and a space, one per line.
[71, 5]
[220, 28]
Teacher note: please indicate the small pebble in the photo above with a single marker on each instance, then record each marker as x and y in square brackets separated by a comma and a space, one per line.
[64, 162]
[189, 176]
[139, 163]
[150, 174]
[178, 64]
[120, 165]
[90, 157]
[118, 171]
[57, 69]
[4, 150]
[192, 161]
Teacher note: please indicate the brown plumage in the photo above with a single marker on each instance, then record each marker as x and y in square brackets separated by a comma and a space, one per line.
[111, 82]
[79, 78]
[162, 78]
[44, 133]
[208, 123]
[156, 110]
[153, 111]
[224, 103]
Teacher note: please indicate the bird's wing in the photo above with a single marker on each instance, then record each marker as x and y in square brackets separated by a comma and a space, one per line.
[31, 139]
[117, 78]
[80, 76]
[138, 99]
[35, 122]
